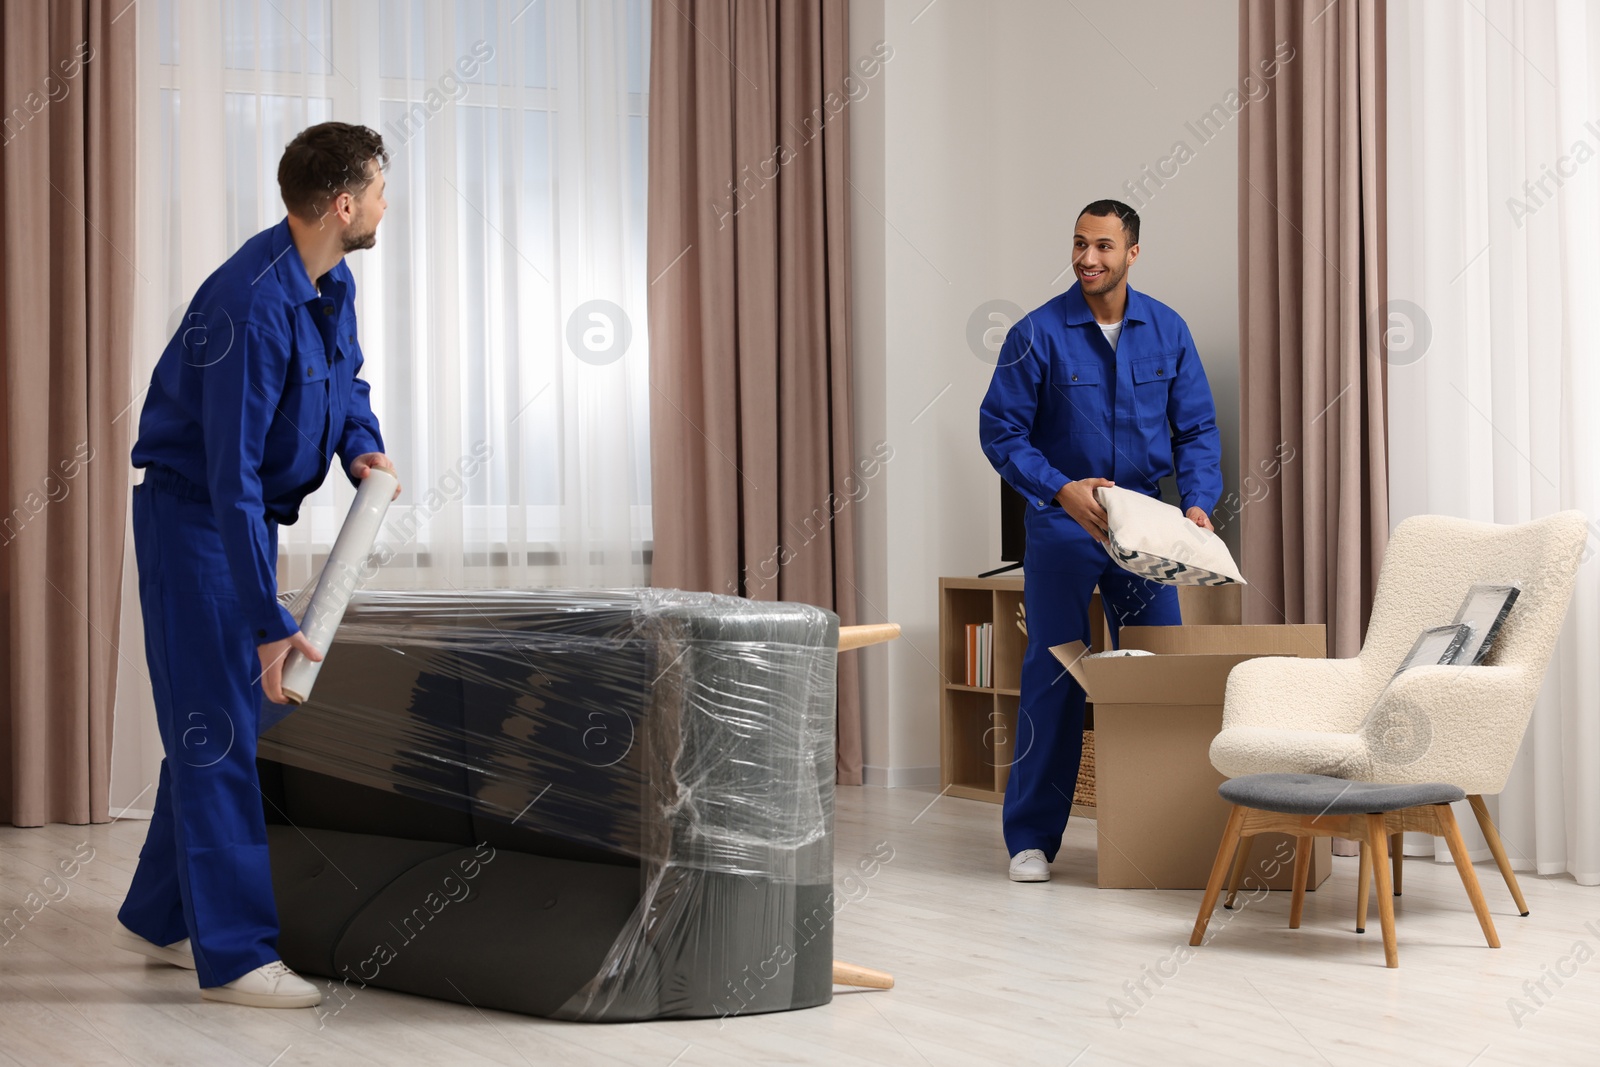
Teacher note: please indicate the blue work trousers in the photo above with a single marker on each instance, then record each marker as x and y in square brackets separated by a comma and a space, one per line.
[1059, 577]
[204, 872]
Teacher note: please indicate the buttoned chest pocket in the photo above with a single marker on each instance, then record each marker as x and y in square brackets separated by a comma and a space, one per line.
[1152, 386]
[305, 392]
[1083, 395]
[349, 349]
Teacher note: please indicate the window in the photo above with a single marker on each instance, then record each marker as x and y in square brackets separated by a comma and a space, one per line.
[502, 311]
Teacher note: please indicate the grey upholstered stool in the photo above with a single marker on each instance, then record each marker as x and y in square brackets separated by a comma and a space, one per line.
[1314, 805]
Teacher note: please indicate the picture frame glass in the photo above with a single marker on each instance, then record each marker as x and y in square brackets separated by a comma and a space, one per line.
[1484, 609]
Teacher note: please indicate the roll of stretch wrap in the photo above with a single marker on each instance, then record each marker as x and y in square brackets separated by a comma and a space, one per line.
[340, 577]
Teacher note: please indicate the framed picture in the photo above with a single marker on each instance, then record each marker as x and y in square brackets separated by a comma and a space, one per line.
[1485, 610]
[1440, 645]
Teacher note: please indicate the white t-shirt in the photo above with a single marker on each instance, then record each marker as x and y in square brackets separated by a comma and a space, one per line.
[1112, 332]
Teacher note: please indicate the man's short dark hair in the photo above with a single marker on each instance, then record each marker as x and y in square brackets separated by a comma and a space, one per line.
[324, 161]
[1130, 218]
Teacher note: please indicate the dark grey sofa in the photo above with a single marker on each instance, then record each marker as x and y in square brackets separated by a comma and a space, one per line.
[608, 806]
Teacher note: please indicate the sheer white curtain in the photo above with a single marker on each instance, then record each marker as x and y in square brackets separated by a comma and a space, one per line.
[1494, 271]
[502, 311]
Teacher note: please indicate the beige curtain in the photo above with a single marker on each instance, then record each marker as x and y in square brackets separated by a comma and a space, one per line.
[1311, 285]
[749, 308]
[66, 297]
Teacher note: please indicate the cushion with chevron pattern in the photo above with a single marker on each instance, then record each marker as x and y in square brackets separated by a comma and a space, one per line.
[1155, 540]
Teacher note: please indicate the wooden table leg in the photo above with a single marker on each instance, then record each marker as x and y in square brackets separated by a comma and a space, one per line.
[1378, 842]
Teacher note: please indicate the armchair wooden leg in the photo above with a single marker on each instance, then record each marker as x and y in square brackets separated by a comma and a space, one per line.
[1302, 868]
[1378, 843]
[1219, 871]
[1458, 852]
[1241, 863]
[1397, 855]
[1497, 849]
[1363, 888]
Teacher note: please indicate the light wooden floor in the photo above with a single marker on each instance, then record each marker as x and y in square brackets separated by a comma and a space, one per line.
[988, 972]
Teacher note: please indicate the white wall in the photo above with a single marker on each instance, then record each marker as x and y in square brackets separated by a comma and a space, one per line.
[972, 152]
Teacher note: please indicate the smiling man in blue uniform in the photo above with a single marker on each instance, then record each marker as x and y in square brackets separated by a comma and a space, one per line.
[258, 387]
[1100, 386]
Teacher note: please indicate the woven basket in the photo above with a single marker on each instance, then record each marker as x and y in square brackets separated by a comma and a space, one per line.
[1084, 794]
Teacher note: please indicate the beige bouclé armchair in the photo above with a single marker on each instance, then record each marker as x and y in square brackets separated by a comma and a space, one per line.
[1355, 719]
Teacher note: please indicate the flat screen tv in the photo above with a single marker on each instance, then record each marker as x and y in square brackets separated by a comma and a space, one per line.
[1013, 534]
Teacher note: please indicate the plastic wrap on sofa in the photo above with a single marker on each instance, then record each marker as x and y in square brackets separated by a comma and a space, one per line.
[691, 732]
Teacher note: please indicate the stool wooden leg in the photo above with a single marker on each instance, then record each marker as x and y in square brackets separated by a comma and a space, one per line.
[1498, 850]
[1458, 852]
[1363, 888]
[1397, 855]
[1240, 863]
[1378, 843]
[1302, 868]
[1219, 871]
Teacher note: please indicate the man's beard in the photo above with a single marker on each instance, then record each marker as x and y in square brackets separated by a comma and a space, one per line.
[355, 238]
[354, 242]
[1108, 281]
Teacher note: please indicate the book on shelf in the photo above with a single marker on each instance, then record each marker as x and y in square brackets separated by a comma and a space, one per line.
[972, 654]
[984, 639]
[980, 655]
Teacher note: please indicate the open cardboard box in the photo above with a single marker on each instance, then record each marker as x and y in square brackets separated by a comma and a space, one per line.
[1159, 817]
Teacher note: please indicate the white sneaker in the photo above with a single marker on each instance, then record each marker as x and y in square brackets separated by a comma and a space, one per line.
[1029, 865]
[179, 954]
[272, 985]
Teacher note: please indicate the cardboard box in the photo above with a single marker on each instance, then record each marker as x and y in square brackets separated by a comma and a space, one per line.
[1160, 819]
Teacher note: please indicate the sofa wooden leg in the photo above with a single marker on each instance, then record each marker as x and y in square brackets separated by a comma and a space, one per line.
[864, 977]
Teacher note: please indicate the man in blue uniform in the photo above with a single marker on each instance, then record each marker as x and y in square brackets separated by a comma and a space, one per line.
[1100, 386]
[259, 386]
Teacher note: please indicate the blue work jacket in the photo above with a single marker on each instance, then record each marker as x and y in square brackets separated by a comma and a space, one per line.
[258, 386]
[1063, 406]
